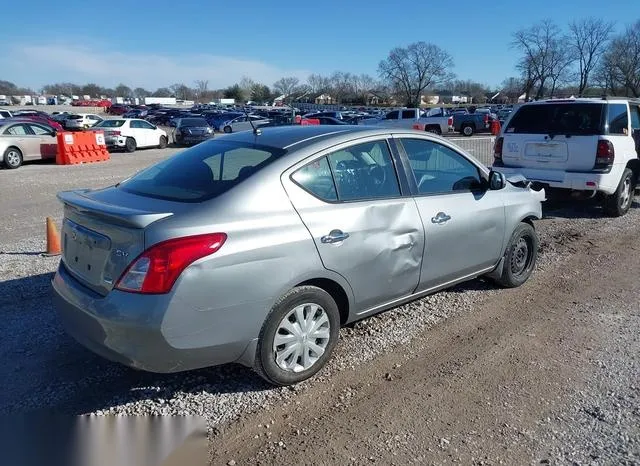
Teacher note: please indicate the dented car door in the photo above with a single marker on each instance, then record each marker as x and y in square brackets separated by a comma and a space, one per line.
[364, 229]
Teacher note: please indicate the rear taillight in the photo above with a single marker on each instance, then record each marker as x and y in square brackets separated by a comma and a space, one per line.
[156, 270]
[486, 118]
[604, 154]
[497, 148]
[115, 133]
[450, 121]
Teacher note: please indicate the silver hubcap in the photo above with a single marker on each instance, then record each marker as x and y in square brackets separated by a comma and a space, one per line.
[467, 130]
[519, 256]
[301, 338]
[625, 195]
[13, 158]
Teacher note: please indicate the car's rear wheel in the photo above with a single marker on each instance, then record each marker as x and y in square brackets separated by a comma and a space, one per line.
[298, 336]
[163, 142]
[12, 158]
[433, 129]
[227, 129]
[619, 203]
[130, 145]
[519, 257]
[467, 130]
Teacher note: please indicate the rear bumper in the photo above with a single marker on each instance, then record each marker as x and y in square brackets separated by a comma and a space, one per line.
[578, 181]
[117, 141]
[128, 328]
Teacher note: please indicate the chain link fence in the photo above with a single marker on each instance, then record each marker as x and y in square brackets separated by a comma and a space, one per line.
[480, 147]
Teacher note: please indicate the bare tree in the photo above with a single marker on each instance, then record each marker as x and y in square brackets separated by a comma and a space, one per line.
[318, 83]
[412, 69]
[202, 87]
[618, 71]
[286, 86]
[512, 88]
[543, 59]
[588, 39]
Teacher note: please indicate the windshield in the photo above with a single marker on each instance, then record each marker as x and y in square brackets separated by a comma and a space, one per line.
[197, 122]
[202, 172]
[110, 124]
[570, 119]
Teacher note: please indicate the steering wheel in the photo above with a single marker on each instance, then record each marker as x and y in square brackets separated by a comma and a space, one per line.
[378, 174]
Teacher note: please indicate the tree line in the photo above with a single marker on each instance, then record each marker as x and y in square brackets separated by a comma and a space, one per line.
[585, 58]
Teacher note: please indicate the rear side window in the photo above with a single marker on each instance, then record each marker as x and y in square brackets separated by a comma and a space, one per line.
[571, 119]
[202, 172]
[618, 119]
[317, 179]
[408, 114]
[635, 116]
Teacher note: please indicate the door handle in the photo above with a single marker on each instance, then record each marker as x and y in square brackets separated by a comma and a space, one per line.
[440, 217]
[335, 236]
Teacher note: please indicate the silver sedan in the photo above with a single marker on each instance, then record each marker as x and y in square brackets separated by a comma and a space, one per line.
[25, 140]
[256, 247]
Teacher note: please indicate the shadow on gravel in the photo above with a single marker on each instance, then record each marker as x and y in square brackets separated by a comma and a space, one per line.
[28, 253]
[576, 209]
[45, 369]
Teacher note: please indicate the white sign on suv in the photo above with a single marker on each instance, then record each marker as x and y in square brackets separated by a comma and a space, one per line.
[131, 133]
[589, 146]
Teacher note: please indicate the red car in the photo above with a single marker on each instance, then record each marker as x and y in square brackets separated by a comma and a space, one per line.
[43, 119]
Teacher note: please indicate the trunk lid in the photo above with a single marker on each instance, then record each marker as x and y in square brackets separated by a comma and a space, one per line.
[103, 231]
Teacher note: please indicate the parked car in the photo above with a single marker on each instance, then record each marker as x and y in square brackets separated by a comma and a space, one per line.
[5, 114]
[25, 140]
[470, 123]
[326, 120]
[186, 258]
[192, 131]
[81, 121]
[118, 109]
[135, 113]
[131, 134]
[587, 146]
[243, 123]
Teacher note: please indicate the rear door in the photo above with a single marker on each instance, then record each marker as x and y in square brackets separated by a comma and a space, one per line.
[635, 125]
[138, 132]
[560, 136]
[619, 131]
[350, 200]
[27, 142]
[464, 223]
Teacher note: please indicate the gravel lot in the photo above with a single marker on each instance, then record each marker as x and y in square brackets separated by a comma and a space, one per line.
[595, 421]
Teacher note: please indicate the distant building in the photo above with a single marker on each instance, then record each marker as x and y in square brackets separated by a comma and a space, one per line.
[324, 99]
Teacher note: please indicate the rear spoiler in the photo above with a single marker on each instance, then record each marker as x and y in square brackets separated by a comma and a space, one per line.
[125, 216]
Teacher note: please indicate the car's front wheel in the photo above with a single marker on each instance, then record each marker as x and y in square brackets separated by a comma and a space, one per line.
[298, 336]
[520, 256]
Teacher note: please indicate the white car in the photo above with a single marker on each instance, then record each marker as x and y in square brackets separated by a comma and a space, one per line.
[587, 146]
[82, 121]
[131, 133]
[242, 123]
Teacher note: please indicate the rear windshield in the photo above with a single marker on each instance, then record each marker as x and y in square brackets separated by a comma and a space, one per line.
[75, 117]
[202, 172]
[193, 122]
[110, 124]
[583, 119]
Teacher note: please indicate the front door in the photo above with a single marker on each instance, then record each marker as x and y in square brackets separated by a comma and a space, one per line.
[350, 201]
[47, 141]
[464, 222]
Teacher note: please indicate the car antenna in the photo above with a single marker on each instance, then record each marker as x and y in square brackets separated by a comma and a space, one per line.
[256, 131]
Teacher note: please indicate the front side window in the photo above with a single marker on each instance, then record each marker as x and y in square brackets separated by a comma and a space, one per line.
[364, 171]
[39, 130]
[440, 170]
[408, 114]
[392, 115]
[618, 119]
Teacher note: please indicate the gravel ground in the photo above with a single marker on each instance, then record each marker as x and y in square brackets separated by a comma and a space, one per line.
[48, 369]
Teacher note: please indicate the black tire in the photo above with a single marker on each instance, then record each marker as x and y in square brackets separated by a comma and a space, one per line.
[265, 363]
[13, 158]
[163, 142]
[433, 129]
[619, 203]
[467, 130]
[227, 129]
[130, 145]
[519, 262]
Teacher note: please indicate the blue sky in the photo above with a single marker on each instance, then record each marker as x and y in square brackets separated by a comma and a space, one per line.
[158, 43]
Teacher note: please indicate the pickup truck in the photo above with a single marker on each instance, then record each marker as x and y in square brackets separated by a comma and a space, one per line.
[408, 118]
[470, 123]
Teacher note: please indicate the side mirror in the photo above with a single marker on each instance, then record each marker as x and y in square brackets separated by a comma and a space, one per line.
[497, 181]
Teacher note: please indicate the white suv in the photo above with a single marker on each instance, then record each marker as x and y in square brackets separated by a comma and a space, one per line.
[584, 145]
